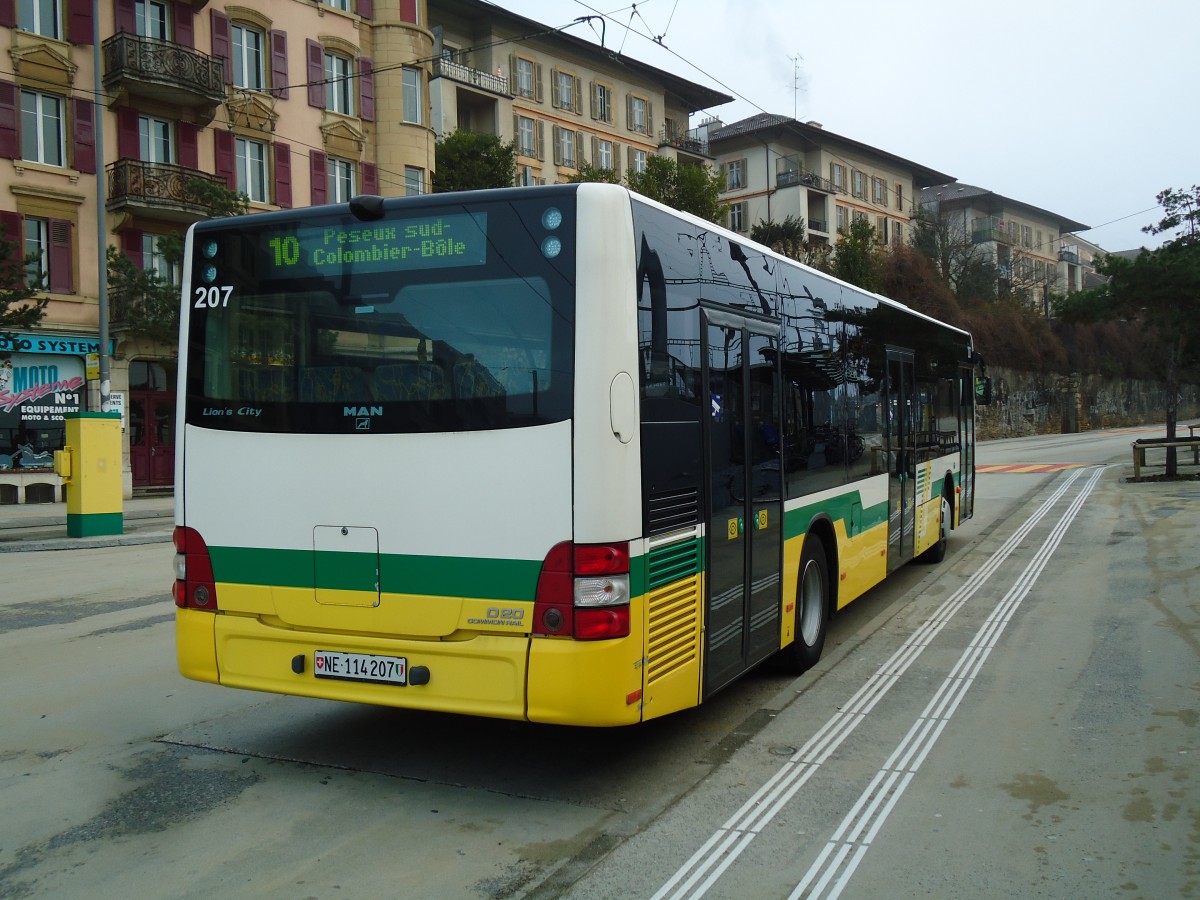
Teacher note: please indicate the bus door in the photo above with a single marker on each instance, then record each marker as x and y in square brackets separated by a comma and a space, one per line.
[744, 505]
[901, 409]
[966, 441]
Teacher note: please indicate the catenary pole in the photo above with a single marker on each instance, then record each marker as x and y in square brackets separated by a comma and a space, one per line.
[101, 214]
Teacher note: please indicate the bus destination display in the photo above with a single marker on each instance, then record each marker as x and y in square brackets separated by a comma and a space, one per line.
[362, 248]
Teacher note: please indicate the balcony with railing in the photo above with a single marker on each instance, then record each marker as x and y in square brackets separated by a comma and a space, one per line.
[684, 140]
[159, 191]
[166, 72]
[1069, 255]
[984, 234]
[790, 170]
[464, 74]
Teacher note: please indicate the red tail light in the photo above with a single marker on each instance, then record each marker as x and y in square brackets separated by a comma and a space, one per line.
[583, 592]
[195, 587]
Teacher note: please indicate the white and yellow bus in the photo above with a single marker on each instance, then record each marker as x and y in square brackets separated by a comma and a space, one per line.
[558, 454]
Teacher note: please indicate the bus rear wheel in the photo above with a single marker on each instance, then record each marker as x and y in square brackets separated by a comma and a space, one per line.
[937, 552]
[812, 610]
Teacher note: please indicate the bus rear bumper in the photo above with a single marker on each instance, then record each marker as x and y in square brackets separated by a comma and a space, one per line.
[483, 676]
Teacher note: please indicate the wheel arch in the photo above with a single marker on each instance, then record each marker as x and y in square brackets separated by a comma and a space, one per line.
[822, 527]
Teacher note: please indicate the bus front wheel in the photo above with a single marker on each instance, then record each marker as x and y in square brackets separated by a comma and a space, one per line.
[812, 609]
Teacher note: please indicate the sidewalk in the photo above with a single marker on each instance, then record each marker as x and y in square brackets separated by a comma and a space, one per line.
[43, 526]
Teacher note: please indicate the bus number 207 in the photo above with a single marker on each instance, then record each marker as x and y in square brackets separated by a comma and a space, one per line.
[212, 297]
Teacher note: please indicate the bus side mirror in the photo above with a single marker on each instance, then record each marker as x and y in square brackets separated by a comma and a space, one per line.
[983, 391]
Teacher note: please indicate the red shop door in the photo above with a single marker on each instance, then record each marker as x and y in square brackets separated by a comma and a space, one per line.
[152, 438]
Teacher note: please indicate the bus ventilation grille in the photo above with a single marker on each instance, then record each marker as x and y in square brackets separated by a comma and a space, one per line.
[672, 510]
[673, 608]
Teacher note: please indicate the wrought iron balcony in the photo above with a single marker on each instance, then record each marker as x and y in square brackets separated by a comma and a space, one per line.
[157, 190]
[818, 225]
[456, 71]
[1068, 256]
[788, 174]
[682, 140]
[165, 71]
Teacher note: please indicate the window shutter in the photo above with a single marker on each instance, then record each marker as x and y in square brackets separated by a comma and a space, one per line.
[513, 81]
[131, 246]
[408, 11]
[8, 13]
[126, 17]
[185, 24]
[128, 141]
[629, 111]
[541, 140]
[579, 141]
[617, 158]
[10, 229]
[557, 139]
[370, 180]
[576, 96]
[189, 145]
[84, 132]
[314, 55]
[595, 99]
[223, 151]
[317, 177]
[283, 175]
[595, 150]
[62, 278]
[650, 129]
[537, 82]
[365, 9]
[554, 93]
[79, 22]
[279, 64]
[366, 90]
[10, 144]
[517, 134]
[222, 45]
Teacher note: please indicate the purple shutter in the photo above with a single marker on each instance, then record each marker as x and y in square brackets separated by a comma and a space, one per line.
[223, 150]
[84, 131]
[279, 65]
[370, 179]
[10, 142]
[365, 8]
[366, 90]
[131, 246]
[222, 44]
[79, 22]
[129, 143]
[318, 179]
[8, 13]
[189, 145]
[185, 25]
[283, 175]
[408, 11]
[314, 55]
[61, 257]
[10, 230]
[126, 17]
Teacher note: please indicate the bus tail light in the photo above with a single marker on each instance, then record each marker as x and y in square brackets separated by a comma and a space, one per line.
[583, 592]
[195, 587]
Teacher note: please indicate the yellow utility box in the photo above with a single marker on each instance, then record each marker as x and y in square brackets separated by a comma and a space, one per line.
[90, 467]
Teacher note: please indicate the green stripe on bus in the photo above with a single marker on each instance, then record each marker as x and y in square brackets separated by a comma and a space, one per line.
[796, 521]
[438, 576]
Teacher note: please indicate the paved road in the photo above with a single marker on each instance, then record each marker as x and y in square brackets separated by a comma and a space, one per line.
[1060, 763]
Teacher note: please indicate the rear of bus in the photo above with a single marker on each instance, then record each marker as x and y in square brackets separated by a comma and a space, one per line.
[409, 464]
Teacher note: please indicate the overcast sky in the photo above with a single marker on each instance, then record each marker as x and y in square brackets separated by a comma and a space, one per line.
[1085, 109]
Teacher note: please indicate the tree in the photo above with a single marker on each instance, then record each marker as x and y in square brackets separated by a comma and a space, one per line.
[958, 259]
[688, 188]
[786, 237]
[144, 302]
[473, 161]
[20, 307]
[857, 258]
[1159, 292]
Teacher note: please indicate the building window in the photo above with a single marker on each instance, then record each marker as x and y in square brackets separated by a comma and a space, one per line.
[1026, 236]
[339, 81]
[638, 163]
[247, 58]
[414, 181]
[737, 217]
[154, 261]
[879, 192]
[251, 169]
[412, 95]
[604, 155]
[837, 174]
[900, 197]
[857, 214]
[343, 5]
[341, 179]
[526, 139]
[152, 20]
[565, 94]
[37, 251]
[41, 128]
[637, 115]
[155, 140]
[858, 184]
[40, 17]
[527, 176]
[602, 96]
[566, 147]
[525, 77]
[735, 171]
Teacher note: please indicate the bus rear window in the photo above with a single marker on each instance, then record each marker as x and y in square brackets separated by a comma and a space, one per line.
[482, 345]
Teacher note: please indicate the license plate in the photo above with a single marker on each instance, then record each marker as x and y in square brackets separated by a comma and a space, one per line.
[360, 667]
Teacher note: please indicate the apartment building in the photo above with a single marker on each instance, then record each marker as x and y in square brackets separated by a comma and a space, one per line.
[777, 167]
[562, 100]
[290, 102]
[1024, 241]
